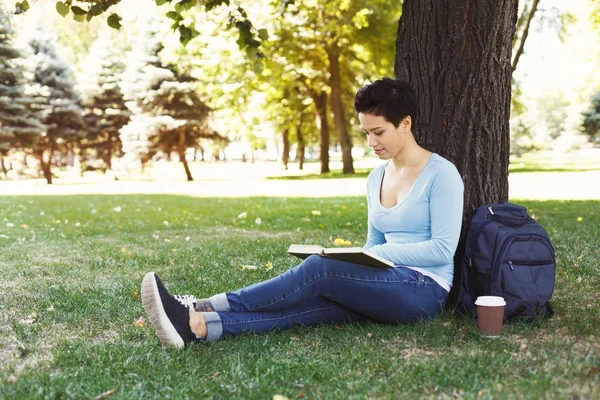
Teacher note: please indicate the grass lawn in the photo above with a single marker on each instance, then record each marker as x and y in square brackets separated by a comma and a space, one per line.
[70, 273]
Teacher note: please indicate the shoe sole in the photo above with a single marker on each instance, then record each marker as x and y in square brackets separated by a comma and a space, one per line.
[166, 332]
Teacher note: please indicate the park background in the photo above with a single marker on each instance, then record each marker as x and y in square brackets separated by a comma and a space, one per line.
[108, 116]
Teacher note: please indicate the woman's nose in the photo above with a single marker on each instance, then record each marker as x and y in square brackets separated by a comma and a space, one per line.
[371, 140]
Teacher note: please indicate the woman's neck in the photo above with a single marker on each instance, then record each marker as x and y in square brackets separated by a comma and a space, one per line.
[411, 155]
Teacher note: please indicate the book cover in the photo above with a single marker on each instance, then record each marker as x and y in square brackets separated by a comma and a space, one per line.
[357, 255]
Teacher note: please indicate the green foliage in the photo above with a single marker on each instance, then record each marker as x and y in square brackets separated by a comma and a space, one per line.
[70, 297]
[105, 112]
[52, 87]
[168, 113]
[591, 119]
[20, 124]
[249, 38]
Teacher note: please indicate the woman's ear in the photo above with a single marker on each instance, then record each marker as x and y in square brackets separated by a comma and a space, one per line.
[406, 123]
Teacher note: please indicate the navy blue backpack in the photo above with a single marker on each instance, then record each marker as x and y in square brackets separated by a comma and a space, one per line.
[508, 254]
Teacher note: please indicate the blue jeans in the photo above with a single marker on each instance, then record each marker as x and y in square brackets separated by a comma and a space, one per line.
[323, 290]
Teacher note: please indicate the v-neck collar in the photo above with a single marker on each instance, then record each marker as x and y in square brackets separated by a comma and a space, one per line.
[398, 204]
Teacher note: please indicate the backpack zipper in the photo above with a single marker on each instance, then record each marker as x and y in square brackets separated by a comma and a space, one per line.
[495, 267]
[478, 231]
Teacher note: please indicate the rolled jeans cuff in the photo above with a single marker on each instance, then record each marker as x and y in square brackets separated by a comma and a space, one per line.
[219, 302]
[214, 327]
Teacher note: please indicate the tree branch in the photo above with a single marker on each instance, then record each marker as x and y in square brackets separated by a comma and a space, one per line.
[524, 35]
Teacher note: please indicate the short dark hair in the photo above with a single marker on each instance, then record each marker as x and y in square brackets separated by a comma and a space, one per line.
[393, 99]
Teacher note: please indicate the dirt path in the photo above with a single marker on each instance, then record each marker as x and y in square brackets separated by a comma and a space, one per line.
[237, 179]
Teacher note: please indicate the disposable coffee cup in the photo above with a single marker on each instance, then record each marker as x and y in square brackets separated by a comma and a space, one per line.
[490, 315]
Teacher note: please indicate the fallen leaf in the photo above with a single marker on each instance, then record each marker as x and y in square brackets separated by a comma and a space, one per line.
[341, 242]
[105, 394]
[580, 258]
[27, 321]
[268, 266]
[140, 322]
[134, 295]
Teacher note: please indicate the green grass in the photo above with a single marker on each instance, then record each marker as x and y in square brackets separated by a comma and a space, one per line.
[549, 162]
[334, 174]
[69, 298]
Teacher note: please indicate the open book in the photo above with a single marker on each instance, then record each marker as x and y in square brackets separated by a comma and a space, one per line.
[356, 255]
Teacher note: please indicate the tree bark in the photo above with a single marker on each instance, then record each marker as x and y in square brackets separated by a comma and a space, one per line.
[285, 155]
[301, 146]
[45, 166]
[181, 151]
[3, 166]
[320, 100]
[337, 107]
[457, 56]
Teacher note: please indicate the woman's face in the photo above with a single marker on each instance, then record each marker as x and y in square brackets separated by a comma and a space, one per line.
[386, 140]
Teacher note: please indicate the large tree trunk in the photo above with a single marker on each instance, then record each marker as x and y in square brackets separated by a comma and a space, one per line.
[320, 100]
[301, 147]
[181, 152]
[337, 107]
[285, 155]
[457, 56]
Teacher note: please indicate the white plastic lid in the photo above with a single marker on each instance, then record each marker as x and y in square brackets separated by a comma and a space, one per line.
[490, 301]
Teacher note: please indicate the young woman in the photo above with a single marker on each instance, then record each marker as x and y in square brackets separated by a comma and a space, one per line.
[415, 206]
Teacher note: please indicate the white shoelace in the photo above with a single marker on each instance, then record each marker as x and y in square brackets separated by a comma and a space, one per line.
[187, 300]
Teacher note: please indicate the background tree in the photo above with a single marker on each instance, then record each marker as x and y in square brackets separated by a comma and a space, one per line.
[457, 54]
[53, 88]
[105, 112]
[20, 125]
[591, 119]
[168, 112]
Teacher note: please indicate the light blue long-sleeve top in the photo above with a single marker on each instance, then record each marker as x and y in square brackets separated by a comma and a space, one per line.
[422, 231]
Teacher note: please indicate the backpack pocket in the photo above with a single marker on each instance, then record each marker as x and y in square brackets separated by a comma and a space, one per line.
[527, 287]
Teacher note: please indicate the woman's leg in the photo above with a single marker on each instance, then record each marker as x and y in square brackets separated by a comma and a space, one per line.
[335, 290]
[311, 312]
[387, 295]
